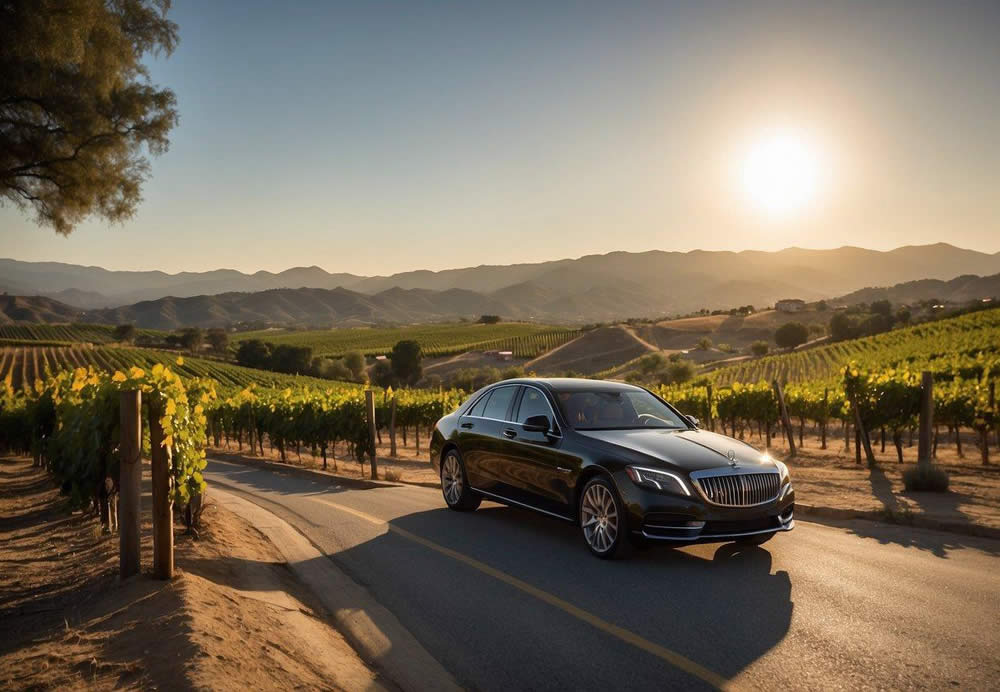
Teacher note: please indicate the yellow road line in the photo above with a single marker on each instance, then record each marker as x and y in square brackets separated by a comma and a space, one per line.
[672, 657]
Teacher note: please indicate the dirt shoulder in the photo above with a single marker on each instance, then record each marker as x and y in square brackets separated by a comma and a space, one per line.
[832, 479]
[234, 618]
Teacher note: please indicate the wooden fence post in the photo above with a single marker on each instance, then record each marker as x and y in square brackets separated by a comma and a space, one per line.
[392, 427]
[129, 483]
[924, 451]
[785, 421]
[163, 511]
[370, 410]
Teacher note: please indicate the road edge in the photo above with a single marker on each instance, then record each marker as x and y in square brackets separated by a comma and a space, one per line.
[314, 474]
[886, 516]
[370, 628]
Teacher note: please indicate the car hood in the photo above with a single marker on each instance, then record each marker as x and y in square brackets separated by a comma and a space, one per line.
[692, 450]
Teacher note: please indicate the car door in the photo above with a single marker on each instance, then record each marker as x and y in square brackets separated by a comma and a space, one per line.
[536, 470]
[480, 435]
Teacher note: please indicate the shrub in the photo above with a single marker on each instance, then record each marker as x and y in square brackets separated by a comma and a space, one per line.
[760, 348]
[927, 478]
[791, 334]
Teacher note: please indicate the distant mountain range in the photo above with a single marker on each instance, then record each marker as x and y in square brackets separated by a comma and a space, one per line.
[588, 289]
[961, 289]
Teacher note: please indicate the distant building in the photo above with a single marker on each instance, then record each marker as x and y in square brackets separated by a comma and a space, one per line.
[500, 355]
[790, 305]
[381, 358]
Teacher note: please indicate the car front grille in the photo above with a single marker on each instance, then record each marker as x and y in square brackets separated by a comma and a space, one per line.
[740, 490]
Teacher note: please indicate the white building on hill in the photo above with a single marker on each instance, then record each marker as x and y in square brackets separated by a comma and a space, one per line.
[790, 305]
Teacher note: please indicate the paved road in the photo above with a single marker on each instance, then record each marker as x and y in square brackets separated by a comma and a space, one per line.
[504, 598]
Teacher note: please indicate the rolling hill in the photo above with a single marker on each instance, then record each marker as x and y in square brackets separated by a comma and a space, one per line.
[587, 289]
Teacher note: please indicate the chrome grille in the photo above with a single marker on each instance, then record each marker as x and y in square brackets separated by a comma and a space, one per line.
[740, 490]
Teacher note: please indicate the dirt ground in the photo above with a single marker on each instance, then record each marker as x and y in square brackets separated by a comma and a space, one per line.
[823, 478]
[232, 619]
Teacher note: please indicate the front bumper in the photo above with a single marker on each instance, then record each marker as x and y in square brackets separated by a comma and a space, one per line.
[690, 519]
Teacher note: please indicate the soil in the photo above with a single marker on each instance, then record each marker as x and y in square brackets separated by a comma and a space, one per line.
[233, 618]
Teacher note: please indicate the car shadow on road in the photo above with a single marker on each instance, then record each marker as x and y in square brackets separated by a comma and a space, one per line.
[717, 605]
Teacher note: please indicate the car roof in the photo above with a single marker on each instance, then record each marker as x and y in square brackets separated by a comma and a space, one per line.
[573, 384]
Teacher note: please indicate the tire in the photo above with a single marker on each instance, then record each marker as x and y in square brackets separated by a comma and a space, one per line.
[603, 520]
[455, 484]
[758, 539]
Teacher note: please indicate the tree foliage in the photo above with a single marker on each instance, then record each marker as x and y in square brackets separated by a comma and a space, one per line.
[405, 359]
[791, 334]
[77, 110]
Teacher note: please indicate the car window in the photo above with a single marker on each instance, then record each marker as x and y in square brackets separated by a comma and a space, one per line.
[533, 403]
[617, 410]
[480, 406]
[499, 403]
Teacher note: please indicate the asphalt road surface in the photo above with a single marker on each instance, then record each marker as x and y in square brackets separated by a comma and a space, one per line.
[508, 599]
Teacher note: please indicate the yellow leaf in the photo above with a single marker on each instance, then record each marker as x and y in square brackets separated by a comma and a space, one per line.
[119, 376]
[168, 441]
[157, 369]
[136, 373]
[180, 360]
[171, 408]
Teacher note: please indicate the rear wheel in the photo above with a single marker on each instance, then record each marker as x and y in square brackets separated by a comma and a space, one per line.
[603, 520]
[455, 485]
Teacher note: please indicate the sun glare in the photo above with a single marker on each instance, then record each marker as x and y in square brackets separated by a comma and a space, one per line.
[782, 173]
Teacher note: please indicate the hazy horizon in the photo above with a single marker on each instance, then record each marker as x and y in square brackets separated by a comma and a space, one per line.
[487, 264]
[375, 138]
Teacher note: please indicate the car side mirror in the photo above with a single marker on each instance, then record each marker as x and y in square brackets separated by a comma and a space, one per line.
[538, 423]
[694, 421]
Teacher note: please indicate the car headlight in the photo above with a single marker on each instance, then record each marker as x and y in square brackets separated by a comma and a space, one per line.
[656, 479]
[782, 469]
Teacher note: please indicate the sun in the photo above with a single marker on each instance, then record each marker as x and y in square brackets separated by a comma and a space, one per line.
[782, 172]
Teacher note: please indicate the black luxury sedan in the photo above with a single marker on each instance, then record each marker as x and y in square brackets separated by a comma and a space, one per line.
[614, 458]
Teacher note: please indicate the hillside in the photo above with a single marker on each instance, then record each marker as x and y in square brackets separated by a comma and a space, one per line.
[592, 288]
[594, 351]
[943, 341]
[36, 309]
[524, 340]
[961, 289]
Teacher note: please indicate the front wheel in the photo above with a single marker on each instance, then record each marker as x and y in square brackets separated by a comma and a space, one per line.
[455, 485]
[603, 520]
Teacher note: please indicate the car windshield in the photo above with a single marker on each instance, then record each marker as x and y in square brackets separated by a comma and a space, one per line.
[617, 410]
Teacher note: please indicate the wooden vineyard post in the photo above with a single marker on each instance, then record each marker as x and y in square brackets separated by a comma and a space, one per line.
[370, 411]
[129, 483]
[711, 418]
[862, 433]
[785, 421]
[924, 451]
[392, 426]
[163, 511]
[826, 417]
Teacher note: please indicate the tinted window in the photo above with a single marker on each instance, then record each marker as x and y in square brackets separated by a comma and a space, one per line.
[533, 403]
[499, 402]
[480, 406]
[611, 410]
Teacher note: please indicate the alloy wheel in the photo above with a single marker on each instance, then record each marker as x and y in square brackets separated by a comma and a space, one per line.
[451, 479]
[599, 517]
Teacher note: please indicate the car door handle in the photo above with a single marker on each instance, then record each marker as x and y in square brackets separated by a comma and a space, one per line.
[509, 434]
[468, 425]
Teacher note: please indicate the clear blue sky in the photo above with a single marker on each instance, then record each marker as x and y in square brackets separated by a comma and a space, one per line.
[376, 137]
